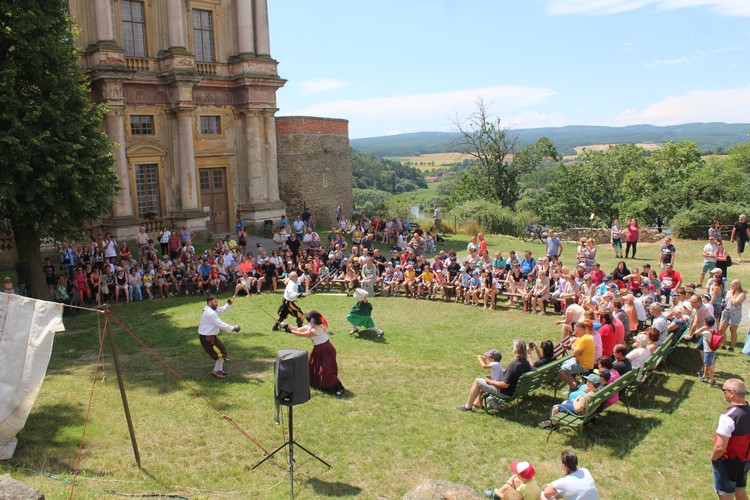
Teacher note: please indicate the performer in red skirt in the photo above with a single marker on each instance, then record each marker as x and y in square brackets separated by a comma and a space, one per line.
[324, 371]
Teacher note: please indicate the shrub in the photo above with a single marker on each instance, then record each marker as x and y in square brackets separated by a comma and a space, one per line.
[694, 223]
[370, 201]
[491, 217]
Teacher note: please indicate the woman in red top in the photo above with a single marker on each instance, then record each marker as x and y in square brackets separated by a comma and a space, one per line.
[124, 253]
[607, 333]
[632, 237]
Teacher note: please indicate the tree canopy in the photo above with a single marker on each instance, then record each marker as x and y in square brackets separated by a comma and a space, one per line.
[56, 162]
[386, 175]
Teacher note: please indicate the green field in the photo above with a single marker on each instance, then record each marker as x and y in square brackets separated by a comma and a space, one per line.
[397, 428]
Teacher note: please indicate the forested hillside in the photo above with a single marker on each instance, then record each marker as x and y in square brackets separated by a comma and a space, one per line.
[384, 175]
[710, 137]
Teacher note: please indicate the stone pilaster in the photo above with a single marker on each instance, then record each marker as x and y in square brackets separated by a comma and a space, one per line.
[271, 160]
[245, 30]
[260, 23]
[186, 158]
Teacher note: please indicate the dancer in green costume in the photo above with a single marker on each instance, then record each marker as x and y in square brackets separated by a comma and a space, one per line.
[361, 314]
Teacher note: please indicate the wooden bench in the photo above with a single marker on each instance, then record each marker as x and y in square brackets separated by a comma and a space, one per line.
[531, 381]
[593, 409]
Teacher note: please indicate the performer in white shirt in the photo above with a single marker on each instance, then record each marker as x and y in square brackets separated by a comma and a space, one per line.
[288, 305]
[208, 332]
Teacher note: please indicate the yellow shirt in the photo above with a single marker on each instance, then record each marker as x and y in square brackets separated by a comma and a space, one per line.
[586, 345]
[427, 277]
[530, 490]
[409, 274]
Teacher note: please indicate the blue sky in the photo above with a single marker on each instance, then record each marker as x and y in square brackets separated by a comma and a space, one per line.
[414, 65]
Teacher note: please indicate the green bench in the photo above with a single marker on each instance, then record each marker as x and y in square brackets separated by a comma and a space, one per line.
[593, 409]
[531, 381]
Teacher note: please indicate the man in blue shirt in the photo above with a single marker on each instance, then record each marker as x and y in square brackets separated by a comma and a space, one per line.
[527, 264]
[554, 245]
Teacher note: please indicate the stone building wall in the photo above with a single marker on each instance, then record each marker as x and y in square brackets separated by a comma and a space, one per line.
[315, 166]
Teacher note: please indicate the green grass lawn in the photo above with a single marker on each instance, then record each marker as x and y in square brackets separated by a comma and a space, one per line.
[397, 428]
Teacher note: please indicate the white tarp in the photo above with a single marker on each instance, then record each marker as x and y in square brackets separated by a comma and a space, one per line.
[27, 328]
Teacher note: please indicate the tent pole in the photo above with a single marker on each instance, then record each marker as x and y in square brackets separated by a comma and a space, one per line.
[121, 383]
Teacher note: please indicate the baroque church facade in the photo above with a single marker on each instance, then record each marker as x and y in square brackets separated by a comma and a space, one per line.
[190, 86]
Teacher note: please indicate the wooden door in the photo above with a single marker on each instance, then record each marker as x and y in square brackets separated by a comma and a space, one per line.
[214, 199]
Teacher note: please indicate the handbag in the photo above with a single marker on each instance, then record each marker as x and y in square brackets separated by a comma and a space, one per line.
[729, 261]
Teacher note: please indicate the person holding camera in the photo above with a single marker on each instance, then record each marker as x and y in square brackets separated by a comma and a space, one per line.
[208, 333]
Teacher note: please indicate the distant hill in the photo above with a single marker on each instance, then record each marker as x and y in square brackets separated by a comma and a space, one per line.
[708, 136]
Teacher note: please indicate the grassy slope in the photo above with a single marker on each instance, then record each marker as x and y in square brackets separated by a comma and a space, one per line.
[397, 429]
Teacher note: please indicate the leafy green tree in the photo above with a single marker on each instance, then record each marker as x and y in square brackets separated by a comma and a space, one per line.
[490, 142]
[377, 173]
[498, 166]
[591, 185]
[56, 163]
[660, 188]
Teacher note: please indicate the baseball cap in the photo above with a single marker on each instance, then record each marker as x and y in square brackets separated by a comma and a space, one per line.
[593, 378]
[261, 261]
[717, 271]
[608, 277]
[523, 469]
[494, 354]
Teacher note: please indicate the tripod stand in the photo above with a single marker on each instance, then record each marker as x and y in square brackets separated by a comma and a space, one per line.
[291, 443]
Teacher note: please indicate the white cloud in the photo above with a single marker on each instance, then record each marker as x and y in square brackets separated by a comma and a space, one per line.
[534, 119]
[425, 112]
[699, 57]
[604, 7]
[723, 105]
[671, 62]
[321, 85]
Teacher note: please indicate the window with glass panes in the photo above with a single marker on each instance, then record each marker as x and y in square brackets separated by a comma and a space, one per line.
[203, 35]
[210, 125]
[141, 124]
[147, 189]
[133, 28]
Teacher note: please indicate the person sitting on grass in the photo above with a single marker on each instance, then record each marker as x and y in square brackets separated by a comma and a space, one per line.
[522, 483]
[578, 405]
[577, 483]
[503, 389]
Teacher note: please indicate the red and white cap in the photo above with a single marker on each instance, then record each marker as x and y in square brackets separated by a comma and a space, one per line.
[523, 469]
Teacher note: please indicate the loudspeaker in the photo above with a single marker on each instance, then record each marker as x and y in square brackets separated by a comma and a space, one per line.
[291, 377]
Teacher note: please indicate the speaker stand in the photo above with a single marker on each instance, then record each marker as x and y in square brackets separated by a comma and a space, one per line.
[291, 443]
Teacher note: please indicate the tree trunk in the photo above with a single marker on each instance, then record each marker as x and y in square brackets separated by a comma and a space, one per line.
[30, 257]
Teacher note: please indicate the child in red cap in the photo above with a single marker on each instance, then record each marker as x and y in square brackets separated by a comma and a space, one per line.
[522, 483]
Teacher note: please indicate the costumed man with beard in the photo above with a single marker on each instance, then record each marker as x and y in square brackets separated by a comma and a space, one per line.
[208, 332]
[288, 304]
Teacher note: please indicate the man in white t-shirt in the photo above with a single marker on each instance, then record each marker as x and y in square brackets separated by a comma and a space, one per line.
[437, 216]
[709, 258]
[573, 315]
[110, 247]
[659, 322]
[577, 484]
